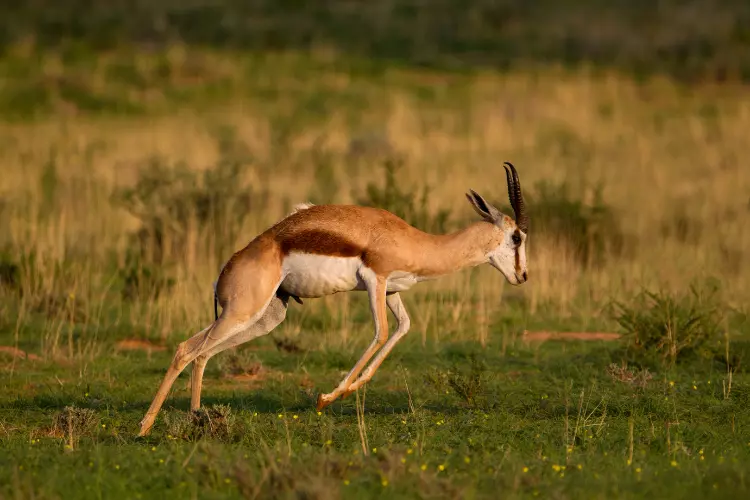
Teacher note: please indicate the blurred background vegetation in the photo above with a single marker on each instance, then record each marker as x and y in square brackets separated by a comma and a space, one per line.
[88, 52]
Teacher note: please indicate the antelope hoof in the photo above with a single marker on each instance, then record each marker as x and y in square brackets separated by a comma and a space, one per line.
[322, 403]
[145, 429]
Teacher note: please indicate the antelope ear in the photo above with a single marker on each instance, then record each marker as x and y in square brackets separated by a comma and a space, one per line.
[482, 207]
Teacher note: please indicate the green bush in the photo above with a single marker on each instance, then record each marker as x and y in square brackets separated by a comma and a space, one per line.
[470, 385]
[672, 328]
[10, 273]
[412, 206]
[172, 200]
[592, 231]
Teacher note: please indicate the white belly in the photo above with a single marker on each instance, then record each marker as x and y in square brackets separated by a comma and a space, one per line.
[309, 275]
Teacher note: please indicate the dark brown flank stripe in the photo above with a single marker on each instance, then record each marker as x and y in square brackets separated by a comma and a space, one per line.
[320, 243]
[518, 257]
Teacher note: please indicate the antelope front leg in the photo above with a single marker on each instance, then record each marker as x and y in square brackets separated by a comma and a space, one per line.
[397, 308]
[376, 293]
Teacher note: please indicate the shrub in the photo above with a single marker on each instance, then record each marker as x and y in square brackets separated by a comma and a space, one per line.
[592, 230]
[174, 202]
[469, 385]
[10, 273]
[143, 280]
[409, 205]
[672, 328]
[215, 421]
[168, 200]
[73, 422]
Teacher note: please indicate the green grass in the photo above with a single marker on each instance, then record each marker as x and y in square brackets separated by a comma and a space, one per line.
[545, 420]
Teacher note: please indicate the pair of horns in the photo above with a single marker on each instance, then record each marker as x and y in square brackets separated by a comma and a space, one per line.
[516, 197]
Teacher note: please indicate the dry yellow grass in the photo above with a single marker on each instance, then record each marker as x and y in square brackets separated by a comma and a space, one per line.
[658, 151]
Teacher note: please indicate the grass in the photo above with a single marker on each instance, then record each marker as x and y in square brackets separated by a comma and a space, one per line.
[551, 421]
[118, 213]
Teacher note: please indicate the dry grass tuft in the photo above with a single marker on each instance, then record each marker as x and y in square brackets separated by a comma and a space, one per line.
[72, 423]
[214, 422]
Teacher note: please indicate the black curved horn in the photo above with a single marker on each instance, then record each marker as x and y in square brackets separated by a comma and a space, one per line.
[516, 197]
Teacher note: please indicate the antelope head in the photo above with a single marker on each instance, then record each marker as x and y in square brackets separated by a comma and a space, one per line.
[508, 252]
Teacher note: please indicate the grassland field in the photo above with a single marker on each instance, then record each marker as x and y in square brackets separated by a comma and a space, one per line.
[127, 188]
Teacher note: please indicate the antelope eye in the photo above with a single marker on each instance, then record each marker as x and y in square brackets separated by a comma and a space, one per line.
[516, 239]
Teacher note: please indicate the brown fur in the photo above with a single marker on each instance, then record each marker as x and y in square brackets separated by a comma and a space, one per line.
[383, 241]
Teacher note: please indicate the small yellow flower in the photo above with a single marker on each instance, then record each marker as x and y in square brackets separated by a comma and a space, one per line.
[423, 467]
[329, 442]
[556, 468]
[638, 470]
[441, 467]
[280, 415]
[384, 482]
[673, 463]
[153, 448]
[161, 460]
[629, 461]
[255, 414]
[695, 388]
[227, 480]
[410, 451]
[403, 460]
[117, 467]
[104, 426]
[295, 417]
[702, 457]
[579, 466]
[671, 383]
[467, 460]
[525, 470]
[374, 450]
[319, 414]
[403, 422]
[570, 449]
[346, 481]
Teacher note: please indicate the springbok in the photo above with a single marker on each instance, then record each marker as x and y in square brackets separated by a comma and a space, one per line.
[320, 250]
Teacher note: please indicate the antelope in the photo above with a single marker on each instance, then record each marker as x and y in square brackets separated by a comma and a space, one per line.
[321, 250]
